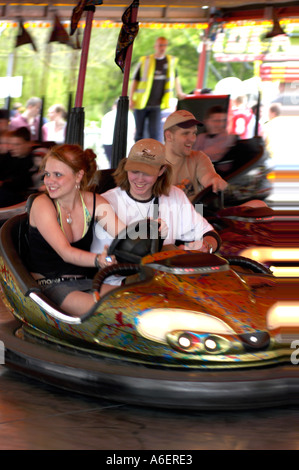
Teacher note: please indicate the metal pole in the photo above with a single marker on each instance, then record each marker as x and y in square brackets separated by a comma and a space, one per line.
[84, 56]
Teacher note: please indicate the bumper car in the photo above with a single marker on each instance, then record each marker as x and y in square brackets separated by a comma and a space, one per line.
[185, 331]
[10, 211]
[269, 236]
[245, 167]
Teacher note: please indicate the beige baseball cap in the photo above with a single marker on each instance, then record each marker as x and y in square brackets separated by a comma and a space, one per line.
[147, 155]
[181, 118]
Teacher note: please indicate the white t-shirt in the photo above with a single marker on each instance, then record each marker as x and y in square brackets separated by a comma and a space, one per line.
[50, 134]
[183, 221]
[107, 128]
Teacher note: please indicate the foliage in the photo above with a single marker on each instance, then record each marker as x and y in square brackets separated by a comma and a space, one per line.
[52, 72]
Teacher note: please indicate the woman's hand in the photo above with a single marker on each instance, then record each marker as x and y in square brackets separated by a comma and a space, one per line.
[163, 228]
[103, 260]
[207, 245]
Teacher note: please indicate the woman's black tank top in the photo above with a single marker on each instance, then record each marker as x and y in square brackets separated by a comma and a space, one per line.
[43, 258]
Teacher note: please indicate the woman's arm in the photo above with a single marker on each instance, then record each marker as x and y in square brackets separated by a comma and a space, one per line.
[43, 216]
[106, 217]
[208, 244]
[198, 233]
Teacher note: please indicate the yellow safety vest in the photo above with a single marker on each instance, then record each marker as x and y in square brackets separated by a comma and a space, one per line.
[147, 70]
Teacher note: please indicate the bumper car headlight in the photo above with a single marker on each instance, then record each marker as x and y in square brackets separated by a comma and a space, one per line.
[199, 343]
[283, 314]
[156, 324]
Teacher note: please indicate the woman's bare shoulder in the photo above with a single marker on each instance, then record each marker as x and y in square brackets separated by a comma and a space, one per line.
[42, 207]
[100, 199]
[42, 200]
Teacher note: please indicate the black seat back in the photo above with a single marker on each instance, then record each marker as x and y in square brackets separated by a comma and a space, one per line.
[244, 155]
[14, 250]
[103, 181]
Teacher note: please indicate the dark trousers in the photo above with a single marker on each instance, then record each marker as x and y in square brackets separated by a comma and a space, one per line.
[108, 152]
[148, 123]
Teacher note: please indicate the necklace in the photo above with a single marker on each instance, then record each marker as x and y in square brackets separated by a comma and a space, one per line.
[152, 202]
[139, 205]
[147, 211]
[69, 219]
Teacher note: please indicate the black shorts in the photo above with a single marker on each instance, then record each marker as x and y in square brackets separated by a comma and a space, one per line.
[57, 292]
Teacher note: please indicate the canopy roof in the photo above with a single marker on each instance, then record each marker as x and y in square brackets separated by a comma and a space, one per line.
[168, 11]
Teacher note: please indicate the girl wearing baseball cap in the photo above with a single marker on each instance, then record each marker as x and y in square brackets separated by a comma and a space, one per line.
[144, 190]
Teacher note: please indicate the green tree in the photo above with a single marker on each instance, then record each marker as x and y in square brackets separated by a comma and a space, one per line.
[52, 71]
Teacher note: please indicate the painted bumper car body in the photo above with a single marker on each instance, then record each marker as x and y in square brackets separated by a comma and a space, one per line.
[269, 236]
[245, 167]
[191, 331]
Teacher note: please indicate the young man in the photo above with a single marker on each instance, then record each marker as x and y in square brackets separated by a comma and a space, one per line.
[155, 82]
[216, 141]
[192, 170]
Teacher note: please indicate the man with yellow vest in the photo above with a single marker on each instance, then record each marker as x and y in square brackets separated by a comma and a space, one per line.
[154, 84]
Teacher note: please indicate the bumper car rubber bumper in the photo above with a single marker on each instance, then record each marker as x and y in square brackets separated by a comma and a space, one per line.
[135, 384]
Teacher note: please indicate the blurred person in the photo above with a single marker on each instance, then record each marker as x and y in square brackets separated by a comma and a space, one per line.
[252, 123]
[274, 111]
[37, 173]
[55, 129]
[4, 147]
[155, 82]
[16, 178]
[4, 119]
[17, 109]
[107, 130]
[272, 133]
[216, 141]
[30, 118]
[5, 157]
[241, 118]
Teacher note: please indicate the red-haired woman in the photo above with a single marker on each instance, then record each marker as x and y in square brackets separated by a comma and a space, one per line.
[60, 228]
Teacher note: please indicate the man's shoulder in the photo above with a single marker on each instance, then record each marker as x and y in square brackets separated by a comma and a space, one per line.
[196, 156]
[18, 121]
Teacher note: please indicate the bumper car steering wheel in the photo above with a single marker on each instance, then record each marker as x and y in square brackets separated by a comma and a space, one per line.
[137, 240]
